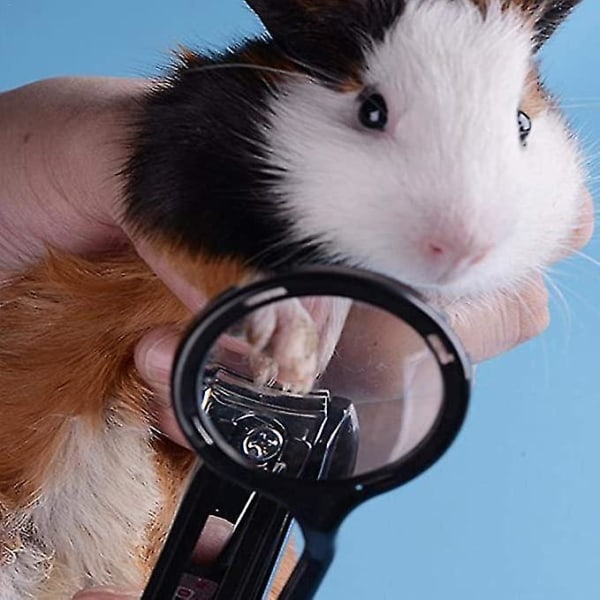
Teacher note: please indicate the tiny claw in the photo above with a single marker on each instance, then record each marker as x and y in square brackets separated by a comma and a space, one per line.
[285, 343]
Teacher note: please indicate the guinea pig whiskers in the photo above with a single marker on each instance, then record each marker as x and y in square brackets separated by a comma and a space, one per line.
[588, 258]
[309, 255]
[256, 143]
[578, 318]
[324, 74]
[565, 102]
[581, 99]
[585, 105]
[251, 66]
[555, 290]
[287, 258]
[521, 294]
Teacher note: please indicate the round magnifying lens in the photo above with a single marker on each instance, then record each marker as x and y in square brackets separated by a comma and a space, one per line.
[321, 388]
[265, 374]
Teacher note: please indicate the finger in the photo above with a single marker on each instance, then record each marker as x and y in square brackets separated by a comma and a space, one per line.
[585, 228]
[214, 536]
[154, 357]
[583, 231]
[492, 327]
[191, 296]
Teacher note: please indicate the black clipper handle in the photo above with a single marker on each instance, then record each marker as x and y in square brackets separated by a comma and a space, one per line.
[313, 437]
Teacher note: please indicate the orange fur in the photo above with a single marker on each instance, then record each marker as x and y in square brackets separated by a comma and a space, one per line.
[69, 328]
[535, 101]
[174, 464]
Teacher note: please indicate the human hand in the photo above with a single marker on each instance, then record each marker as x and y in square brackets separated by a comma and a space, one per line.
[62, 144]
[493, 326]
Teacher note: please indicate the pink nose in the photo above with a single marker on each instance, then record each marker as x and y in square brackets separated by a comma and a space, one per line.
[449, 257]
[458, 253]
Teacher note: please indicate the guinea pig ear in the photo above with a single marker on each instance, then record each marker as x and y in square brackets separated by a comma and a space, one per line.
[328, 35]
[275, 14]
[284, 18]
[548, 15]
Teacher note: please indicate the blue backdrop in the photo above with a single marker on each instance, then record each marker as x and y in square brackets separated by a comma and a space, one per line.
[513, 511]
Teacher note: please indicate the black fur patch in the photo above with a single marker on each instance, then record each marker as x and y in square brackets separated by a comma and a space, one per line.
[197, 173]
[554, 12]
[197, 170]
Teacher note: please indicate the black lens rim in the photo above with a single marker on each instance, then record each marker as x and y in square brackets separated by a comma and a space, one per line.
[321, 504]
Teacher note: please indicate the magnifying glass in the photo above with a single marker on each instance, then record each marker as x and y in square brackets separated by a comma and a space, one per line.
[305, 395]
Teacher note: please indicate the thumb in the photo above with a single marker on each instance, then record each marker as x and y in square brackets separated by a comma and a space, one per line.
[165, 269]
[492, 326]
[154, 355]
[155, 352]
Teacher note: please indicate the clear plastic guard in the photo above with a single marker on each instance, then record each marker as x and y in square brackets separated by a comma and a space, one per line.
[293, 371]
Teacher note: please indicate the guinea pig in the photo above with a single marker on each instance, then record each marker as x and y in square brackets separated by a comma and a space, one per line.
[410, 137]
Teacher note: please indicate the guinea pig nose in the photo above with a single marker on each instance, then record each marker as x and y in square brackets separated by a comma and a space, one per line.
[436, 248]
[458, 252]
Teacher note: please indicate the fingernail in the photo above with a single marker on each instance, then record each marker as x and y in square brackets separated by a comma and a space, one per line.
[213, 539]
[218, 530]
[154, 356]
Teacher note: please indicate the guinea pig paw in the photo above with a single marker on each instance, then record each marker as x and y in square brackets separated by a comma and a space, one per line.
[264, 368]
[260, 327]
[284, 340]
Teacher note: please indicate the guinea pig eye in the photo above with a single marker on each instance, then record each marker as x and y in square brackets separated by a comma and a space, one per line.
[373, 112]
[524, 126]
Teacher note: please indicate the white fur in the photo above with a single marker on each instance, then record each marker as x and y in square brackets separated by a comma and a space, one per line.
[90, 520]
[449, 166]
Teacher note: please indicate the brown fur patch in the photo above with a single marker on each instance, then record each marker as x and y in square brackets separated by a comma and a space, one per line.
[69, 327]
[530, 8]
[276, 67]
[211, 275]
[174, 465]
[481, 4]
[525, 5]
[272, 66]
[535, 100]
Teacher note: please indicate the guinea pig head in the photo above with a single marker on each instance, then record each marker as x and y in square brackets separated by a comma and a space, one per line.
[421, 142]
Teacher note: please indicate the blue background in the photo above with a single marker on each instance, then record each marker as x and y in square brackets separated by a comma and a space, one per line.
[513, 511]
